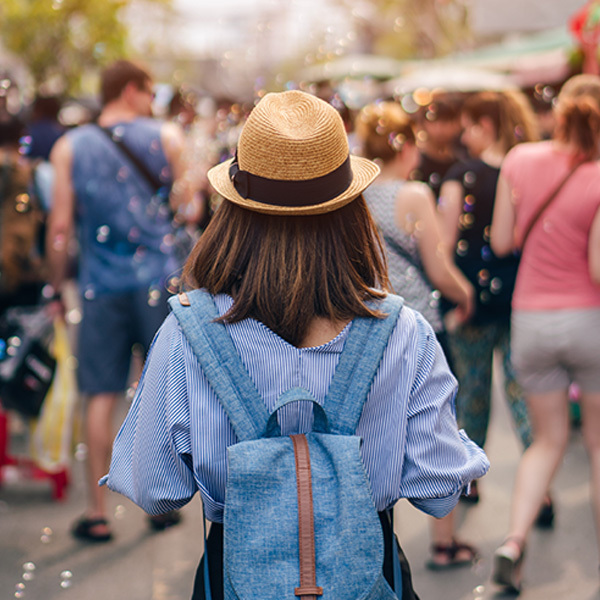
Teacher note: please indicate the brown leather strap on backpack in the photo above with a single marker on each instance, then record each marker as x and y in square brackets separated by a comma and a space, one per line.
[308, 589]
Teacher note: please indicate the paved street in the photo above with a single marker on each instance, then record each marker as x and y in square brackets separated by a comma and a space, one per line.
[140, 565]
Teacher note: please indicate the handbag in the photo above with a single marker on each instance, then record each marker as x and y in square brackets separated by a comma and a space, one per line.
[27, 366]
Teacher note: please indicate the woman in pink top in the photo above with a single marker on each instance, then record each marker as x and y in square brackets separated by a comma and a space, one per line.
[556, 302]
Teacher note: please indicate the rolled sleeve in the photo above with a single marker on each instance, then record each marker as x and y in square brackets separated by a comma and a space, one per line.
[151, 461]
[440, 460]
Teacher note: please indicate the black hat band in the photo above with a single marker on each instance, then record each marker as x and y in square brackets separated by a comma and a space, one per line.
[281, 192]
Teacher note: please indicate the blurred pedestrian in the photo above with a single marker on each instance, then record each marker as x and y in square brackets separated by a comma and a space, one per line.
[43, 127]
[104, 194]
[404, 211]
[420, 269]
[291, 260]
[548, 205]
[492, 123]
[22, 273]
[438, 125]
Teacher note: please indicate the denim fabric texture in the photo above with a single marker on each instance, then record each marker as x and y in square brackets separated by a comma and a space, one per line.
[261, 556]
[124, 229]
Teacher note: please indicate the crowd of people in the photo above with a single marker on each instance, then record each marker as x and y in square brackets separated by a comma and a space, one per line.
[491, 237]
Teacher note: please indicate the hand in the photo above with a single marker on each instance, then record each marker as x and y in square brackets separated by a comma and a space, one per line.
[56, 309]
[463, 312]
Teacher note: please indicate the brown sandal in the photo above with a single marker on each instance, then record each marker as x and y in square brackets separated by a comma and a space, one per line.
[450, 554]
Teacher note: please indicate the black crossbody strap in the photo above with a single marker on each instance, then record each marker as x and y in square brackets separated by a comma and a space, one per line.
[141, 167]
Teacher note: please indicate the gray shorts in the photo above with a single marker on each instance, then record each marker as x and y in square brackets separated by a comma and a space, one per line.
[553, 348]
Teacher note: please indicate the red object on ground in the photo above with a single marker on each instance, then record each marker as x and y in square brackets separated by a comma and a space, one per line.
[27, 467]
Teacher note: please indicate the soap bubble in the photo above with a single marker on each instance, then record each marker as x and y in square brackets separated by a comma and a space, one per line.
[118, 132]
[495, 285]
[14, 341]
[102, 233]
[154, 297]
[122, 174]
[81, 452]
[73, 316]
[462, 247]
[66, 577]
[469, 179]
[46, 536]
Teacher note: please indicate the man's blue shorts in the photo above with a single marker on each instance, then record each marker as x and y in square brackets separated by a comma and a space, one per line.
[111, 324]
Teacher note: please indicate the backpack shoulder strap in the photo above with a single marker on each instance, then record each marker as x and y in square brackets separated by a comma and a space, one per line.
[221, 364]
[352, 380]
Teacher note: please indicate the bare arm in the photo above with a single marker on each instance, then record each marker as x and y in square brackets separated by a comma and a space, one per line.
[502, 232]
[594, 249]
[61, 218]
[417, 200]
[183, 199]
[450, 208]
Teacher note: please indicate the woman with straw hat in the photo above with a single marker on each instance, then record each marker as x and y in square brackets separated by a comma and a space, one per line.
[291, 261]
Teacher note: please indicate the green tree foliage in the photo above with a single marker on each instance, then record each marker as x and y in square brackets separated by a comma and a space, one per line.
[415, 28]
[61, 40]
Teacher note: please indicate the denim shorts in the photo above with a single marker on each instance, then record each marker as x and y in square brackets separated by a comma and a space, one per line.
[553, 348]
[111, 325]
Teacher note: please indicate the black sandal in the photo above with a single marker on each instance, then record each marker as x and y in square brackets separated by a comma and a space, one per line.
[165, 520]
[545, 518]
[83, 530]
[450, 552]
[508, 565]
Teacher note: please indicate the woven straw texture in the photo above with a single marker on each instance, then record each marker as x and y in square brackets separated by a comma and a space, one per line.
[293, 136]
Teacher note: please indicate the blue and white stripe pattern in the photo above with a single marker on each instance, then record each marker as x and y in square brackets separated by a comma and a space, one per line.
[174, 439]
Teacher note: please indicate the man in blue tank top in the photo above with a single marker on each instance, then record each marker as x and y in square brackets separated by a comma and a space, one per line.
[118, 184]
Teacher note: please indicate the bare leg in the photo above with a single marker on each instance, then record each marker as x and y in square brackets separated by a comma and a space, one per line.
[442, 530]
[590, 405]
[99, 435]
[550, 422]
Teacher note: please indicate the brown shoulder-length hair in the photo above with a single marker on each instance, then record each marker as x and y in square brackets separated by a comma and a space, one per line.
[509, 111]
[284, 271]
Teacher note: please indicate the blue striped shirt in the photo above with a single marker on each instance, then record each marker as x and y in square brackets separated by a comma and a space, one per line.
[174, 439]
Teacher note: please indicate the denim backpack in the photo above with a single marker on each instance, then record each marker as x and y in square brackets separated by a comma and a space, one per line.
[299, 518]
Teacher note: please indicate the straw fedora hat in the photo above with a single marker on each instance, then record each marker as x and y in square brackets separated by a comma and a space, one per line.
[292, 159]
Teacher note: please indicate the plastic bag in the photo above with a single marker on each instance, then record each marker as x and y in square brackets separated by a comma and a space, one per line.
[51, 438]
